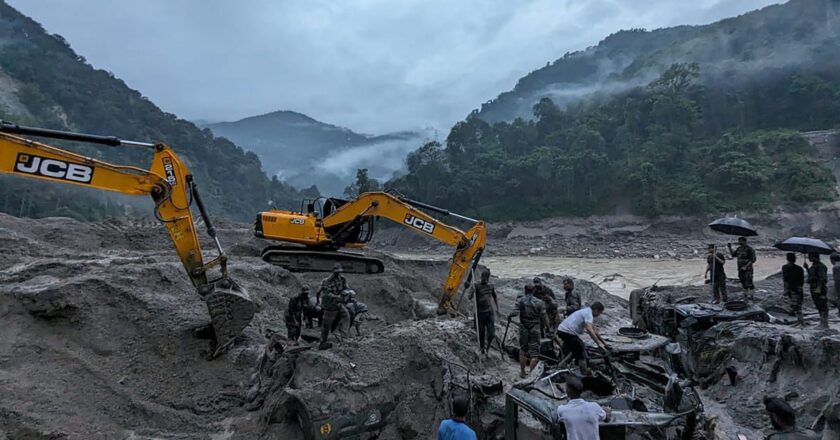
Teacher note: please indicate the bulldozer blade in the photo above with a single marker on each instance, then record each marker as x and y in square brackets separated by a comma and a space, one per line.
[231, 310]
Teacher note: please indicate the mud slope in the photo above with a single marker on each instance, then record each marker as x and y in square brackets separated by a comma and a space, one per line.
[97, 330]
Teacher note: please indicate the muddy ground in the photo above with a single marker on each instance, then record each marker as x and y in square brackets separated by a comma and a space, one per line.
[97, 343]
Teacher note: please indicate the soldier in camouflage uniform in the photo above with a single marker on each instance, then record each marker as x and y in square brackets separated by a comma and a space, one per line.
[485, 297]
[793, 277]
[818, 281]
[546, 295]
[294, 313]
[332, 297]
[532, 318]
[745, 257]
[572, 298]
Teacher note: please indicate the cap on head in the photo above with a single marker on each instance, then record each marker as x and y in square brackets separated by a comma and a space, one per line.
[337, 268]
[791, 257]
[781, 409]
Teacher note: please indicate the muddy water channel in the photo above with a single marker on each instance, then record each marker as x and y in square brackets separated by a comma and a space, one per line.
[619, 276]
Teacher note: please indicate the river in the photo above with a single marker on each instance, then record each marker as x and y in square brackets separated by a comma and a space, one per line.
[618, 276]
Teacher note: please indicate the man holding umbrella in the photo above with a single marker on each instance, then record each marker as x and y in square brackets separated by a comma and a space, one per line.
[714, 265]
[818, 281]
[745, 257]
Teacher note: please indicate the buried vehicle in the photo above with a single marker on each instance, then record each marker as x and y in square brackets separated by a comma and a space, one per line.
[636, 381]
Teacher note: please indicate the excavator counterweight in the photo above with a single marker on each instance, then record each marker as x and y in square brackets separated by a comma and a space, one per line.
[313, 241]
[171, 187]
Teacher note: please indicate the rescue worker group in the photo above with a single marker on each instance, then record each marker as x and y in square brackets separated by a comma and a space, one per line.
[541, 314]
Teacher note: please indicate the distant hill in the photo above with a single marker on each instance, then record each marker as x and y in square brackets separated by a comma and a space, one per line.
[304, 151]
[685, 120]
[43, 82]
[798, 33]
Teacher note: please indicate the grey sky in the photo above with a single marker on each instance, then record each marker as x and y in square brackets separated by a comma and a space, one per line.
[371, 65]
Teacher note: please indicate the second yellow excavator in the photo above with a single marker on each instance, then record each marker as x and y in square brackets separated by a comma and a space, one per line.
[314, 237]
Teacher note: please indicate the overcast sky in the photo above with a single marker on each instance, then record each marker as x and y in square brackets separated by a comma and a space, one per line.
[371, 65]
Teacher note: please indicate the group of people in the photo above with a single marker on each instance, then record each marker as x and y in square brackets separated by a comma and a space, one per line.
[334, 307]
[793, 277]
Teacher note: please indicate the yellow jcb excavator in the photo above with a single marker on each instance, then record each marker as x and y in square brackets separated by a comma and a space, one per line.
[316, 235]
[171, 186]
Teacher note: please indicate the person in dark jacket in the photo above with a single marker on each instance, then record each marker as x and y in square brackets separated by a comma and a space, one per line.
[793, 277]
[572, 298]
[745, 259]
[714, 266]
[485, 297]
[532, 318]
[546, 295]
[294, 313]
[818, 282]
[835, 275]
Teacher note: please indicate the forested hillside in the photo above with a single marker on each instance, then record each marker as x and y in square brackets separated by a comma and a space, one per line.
[43, 82]
[699, 137]
[800, 33]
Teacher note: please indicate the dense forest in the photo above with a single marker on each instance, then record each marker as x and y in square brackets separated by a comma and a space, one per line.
[671, 146]
[43, 82]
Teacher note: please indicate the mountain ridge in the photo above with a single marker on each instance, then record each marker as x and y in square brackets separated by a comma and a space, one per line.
[305, 151]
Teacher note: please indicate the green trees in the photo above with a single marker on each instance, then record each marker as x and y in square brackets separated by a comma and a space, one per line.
[670, 147]
[362, 184]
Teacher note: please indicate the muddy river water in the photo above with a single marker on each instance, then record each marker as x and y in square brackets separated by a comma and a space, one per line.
[619, 276]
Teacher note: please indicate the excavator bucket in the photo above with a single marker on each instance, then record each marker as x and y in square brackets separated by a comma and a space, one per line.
[231, 310]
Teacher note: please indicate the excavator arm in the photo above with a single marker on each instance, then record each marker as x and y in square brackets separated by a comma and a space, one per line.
[171, 187]
[469, 244]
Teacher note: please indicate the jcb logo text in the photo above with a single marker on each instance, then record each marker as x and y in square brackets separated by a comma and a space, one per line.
[419, 223]
[53, 168]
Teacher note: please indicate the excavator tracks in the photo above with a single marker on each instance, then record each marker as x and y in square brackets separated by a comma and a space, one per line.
[298, 259]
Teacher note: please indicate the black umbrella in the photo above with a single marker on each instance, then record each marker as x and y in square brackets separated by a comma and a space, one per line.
[733, 226]
[805, 245]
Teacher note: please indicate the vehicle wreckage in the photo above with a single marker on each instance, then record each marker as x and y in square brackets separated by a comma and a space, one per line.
[636, 380]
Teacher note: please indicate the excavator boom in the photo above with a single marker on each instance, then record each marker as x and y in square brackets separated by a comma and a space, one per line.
[348, 224]
[171, 186]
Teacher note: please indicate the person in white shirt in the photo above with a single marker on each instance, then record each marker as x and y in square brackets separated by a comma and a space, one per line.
[570, 330]
[580, 417]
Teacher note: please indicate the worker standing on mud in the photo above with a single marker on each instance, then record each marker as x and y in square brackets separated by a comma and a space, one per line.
[456, 428]
[581, 418]
[532, 318]
[783, 419]
[714, 265]
[546, 295]
[818, 282]
[294, 313]
[793, 277]
[745, 258]
[835, 274]
[332, 298]
[571, 329]
[572, 297]
[485, 297]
